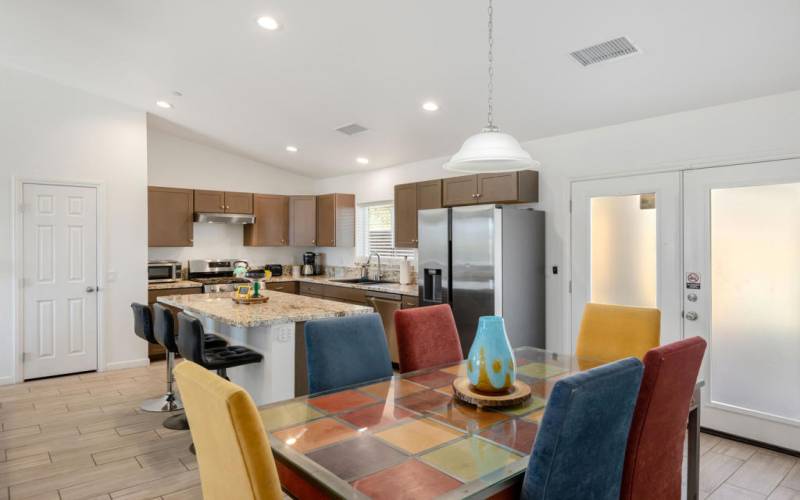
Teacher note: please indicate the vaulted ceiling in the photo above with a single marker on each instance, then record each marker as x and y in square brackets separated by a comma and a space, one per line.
[374, 62]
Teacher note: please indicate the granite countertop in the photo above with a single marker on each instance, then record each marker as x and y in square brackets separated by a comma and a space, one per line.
[324, 280]
[174, 284]
[282, 308]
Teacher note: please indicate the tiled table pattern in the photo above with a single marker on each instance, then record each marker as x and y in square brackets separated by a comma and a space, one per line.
[408, 438]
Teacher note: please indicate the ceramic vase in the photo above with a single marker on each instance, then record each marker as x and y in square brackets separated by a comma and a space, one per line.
[491, 366]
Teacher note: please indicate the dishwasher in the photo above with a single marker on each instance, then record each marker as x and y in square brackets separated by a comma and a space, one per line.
[386, 304]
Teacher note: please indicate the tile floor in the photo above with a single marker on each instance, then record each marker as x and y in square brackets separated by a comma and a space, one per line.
[83, 436]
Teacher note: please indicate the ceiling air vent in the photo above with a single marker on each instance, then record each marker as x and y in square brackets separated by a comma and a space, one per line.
[612, 49]
[352, 129]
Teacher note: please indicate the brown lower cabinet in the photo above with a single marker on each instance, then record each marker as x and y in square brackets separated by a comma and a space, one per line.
[283, 286]
[271, 228]
[409, 301]
[155, 351]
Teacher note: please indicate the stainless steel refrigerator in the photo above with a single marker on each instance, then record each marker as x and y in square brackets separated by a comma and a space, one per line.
[485, 260]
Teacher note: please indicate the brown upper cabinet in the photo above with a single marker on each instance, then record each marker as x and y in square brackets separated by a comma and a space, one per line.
[504, 187]
[408, 199]
[169, 217]
[303, 221]
[336, 220]
[405, 215]
[429, 194]
[239, 203]
[223, 202]
[459, 190]
[271, 228]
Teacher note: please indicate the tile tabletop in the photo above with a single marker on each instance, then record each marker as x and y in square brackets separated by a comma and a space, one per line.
[407, 437]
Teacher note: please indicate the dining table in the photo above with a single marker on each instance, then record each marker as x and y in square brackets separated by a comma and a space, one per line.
[407, 436]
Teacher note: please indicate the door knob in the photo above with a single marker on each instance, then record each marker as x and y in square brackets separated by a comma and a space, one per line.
[90, 289]
[691, 315]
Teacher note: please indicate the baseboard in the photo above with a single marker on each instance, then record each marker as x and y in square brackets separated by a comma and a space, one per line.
[7, 380]
[753, 442]
[130, 363]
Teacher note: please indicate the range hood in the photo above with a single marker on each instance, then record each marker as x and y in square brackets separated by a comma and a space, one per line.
[224, 218]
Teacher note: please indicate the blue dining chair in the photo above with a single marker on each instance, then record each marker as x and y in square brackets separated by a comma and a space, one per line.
[346, 351]
[580, 447]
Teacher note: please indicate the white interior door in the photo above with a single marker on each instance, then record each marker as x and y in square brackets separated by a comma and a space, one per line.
[626, 246]
[742, 242]
[59, 318]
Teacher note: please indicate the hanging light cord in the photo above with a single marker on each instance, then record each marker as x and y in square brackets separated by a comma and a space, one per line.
[490, 127]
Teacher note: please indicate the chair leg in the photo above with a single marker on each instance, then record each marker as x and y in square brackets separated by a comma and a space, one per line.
[223, 372]
[169, 401]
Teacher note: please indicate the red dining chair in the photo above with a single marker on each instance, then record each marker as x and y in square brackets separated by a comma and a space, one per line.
[426, 337]
[655, 443]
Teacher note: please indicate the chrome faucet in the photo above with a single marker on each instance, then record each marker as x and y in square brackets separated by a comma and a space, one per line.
[366, 267]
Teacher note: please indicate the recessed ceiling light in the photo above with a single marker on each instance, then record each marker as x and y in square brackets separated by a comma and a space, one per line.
[163, 104]
[430, 106]
[362, 160]
[291, 149]
[268, 23]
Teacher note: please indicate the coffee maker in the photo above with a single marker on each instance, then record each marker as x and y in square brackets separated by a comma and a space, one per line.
[309, 264]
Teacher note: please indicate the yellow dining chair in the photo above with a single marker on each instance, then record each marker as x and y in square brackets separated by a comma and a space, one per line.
[233, 452]
[610, 332]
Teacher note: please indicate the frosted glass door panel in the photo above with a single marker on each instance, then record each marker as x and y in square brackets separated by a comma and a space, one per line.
[624, 263]
[755, 300]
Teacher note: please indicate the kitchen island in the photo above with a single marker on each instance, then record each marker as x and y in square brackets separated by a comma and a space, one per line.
[274, 329]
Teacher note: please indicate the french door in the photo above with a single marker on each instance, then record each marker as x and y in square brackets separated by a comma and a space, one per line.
[742, 294]
[718, 251]
[59, 320]
[626, 246]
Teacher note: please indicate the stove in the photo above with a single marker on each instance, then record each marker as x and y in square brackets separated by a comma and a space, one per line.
[216, 275]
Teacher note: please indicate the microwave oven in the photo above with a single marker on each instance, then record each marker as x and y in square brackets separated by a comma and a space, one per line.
[163, 271]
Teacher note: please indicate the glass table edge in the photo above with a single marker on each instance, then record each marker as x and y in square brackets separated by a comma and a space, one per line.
[328, 481]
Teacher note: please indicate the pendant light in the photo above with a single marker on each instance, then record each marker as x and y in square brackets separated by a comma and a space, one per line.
[490, 150]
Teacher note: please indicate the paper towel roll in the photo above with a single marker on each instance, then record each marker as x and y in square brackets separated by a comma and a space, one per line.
[405, 272]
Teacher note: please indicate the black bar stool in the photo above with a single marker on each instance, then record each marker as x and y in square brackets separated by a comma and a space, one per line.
[164, 333]
[143, 326]
[191, 347]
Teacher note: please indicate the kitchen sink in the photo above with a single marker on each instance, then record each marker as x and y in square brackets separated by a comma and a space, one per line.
[362, 281]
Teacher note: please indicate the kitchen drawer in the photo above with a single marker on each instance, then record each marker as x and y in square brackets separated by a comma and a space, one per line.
[285, 287]
[409, 301]
[312, 289]
[353, 295]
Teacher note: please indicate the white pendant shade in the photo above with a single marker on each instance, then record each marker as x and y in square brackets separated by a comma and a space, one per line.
[490, 151]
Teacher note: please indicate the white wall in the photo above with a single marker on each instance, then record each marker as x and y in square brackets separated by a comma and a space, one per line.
[177, 162]
[53, 132]
[740, 131]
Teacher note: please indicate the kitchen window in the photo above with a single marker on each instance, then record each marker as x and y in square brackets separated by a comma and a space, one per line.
[375, 230]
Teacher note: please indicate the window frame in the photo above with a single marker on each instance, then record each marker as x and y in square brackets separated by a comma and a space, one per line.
[363, 248]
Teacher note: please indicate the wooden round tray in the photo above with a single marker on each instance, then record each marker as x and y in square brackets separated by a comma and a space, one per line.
[251, 300]
[463, 390]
